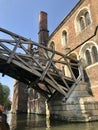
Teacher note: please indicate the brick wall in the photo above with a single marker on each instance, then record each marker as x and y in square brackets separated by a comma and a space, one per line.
[82, 105]
[69, 24]
[20, 98]
[76, 38]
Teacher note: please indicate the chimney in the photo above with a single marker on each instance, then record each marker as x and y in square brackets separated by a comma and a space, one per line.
[43, 31]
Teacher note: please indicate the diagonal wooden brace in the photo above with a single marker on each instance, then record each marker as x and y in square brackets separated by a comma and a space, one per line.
[47, 68]
[13, 52]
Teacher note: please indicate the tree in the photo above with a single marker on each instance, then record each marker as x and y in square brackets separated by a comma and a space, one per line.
[1, 94]
[4, 96]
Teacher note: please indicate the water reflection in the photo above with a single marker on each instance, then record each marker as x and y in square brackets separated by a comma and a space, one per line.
[27, 122]
[35, 122]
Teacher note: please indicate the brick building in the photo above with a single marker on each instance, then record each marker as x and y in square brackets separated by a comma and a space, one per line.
[75, 36]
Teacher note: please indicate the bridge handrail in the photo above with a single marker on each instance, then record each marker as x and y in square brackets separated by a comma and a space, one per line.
[41, 65]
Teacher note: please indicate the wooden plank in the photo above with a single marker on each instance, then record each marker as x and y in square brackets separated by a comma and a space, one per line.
[7, 41]
[26, 67]
[34, 68]
[61, 76]
[65, 63]
[25, 40]
[73, 76]
[73, 87]
[34, 60]
[4, 47]
[13, 52]
[40, 90]
[47, 68]
[55, 86]
[60, 86]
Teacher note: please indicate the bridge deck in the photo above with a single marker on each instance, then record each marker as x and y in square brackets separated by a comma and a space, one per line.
[29, 66]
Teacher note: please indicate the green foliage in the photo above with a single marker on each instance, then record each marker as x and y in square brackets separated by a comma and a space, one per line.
[1, 94]
[4, 95]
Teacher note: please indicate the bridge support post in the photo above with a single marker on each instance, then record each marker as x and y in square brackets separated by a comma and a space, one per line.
[80, 106]
[20, 98]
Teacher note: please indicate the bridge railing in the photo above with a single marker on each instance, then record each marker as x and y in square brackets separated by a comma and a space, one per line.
[44, 64]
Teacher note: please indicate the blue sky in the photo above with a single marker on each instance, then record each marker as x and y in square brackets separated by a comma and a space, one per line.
[21, 17]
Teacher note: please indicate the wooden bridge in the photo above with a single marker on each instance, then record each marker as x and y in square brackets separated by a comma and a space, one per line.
[34, 64]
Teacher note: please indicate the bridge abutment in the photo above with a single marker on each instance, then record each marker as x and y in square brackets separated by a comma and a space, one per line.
[81, 106]
[20, 98]
[37, 106]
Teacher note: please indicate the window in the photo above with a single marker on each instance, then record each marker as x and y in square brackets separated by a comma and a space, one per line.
[88, 57]
[91, 56]
[94, 54]
[83, 19]
[82, 25]
[64, 39]
[87, 19]
[52, 45]
[89, 53]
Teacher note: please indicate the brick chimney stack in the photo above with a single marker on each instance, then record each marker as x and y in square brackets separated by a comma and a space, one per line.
[43, 31]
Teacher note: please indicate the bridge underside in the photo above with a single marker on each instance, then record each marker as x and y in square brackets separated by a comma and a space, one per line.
[33, 68]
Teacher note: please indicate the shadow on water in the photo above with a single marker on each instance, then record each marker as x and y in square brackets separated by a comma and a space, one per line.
[36, 122]
[27, 122]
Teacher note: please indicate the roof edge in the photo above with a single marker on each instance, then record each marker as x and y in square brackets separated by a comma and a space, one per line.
[66, 17]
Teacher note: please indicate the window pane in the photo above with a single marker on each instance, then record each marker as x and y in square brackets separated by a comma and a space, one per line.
[88, 57]
[52, 46]
[95, 54]
[64, 38]
[82, 25]
[87, 18]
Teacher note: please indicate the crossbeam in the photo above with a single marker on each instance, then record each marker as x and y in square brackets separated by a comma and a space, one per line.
[28, 66]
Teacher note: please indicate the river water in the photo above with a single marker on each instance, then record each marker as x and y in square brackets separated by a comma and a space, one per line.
[36, 122]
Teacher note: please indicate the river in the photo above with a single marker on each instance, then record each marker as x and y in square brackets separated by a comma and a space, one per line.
[36, 122]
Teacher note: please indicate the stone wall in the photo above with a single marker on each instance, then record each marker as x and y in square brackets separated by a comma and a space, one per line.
[36, 102]
[20, 98]
[69, 24]
[92, 72]
[81, 106]
[37, 106]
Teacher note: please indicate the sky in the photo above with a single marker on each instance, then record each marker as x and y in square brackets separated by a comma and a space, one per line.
[21, 17]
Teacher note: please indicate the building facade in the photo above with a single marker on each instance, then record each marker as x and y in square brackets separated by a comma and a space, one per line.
[77, 37]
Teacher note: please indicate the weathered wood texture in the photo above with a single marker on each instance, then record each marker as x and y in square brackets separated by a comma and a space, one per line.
[29, 67]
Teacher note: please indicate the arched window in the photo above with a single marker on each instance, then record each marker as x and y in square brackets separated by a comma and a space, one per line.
[87, 19]
[82, 24]
[51, 46]
[89, 53]
[83, 19]
[94, 54]
[64, 39]
[88, 57]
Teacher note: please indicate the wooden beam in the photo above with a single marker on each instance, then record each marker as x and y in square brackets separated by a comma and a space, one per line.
[11, 56]
[47, 68]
